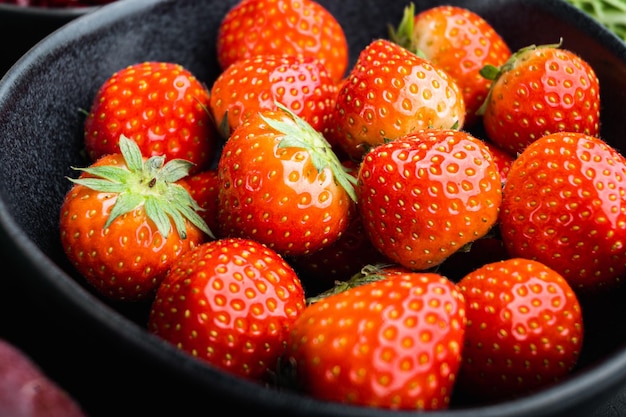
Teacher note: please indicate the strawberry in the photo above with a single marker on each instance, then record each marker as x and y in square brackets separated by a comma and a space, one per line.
[342, 259]
[540, 90]
[204, 188]
[564, 206]
[345, 257]
[116, 222]
[292, 27]
[230, 303]
[524, 329]
[425, 195]
[302, 84]
[159, 105]
[281, 184]
[393, 342]
[391, 92]
[460, 42]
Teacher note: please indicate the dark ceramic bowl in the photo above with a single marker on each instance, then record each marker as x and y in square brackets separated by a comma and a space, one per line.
[22, 27]
[101, 352]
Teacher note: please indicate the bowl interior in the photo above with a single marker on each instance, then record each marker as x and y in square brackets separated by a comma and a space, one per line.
[42, 99]
[23, 27]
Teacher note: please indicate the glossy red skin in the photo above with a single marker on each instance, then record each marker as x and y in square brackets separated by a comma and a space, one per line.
[564, 206]
[424, 196]
[126, 261]
[301, 84]
[292, 27]
[161, 106]
[230, 303]
[394, 343]
[547, 90]
[341, 260]
[461, 42]
[390, 92]
[524, 329]
[204, 188]
[276, 195]
[344, 258]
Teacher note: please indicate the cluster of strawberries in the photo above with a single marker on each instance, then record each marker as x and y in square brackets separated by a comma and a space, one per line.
[234, 208]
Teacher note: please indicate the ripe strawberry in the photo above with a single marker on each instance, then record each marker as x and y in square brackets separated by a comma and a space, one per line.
[392, 342]
[301, 84]
[460, 42]
[564, 206]
[204, 188]
[116, 222]
[391, 92]
[342, 259]
[524, 329]
[159, 105]
[281, 185]
[271, 27]
[540, 90]
[425, 195]
[231, 303]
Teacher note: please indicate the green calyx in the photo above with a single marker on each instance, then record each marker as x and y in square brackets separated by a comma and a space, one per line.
[298, 133]
[404, 34]
[369, 273]
[149, 182]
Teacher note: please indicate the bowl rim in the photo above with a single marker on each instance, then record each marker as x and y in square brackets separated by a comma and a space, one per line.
[12, 10]
[606, 375]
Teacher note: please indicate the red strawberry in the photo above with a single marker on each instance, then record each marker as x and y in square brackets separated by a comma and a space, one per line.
[303, 85]
[204, 188]
[425, 195]
[159, 105]
[540, 90]
[564, 206]
[524, 329]
[116, 222]
[391, 92]
[271, 27]
[460, 42]
[281, 185]
[342, 259]
[230, 303]
[392, 342]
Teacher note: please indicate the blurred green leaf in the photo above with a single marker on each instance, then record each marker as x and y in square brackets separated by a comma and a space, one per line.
[610, 13]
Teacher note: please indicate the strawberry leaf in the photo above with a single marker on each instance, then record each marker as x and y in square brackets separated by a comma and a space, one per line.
[300, 134]
[147, 182]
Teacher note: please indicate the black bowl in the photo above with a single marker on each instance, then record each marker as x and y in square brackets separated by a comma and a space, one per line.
[101, 352]
[22, 27]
